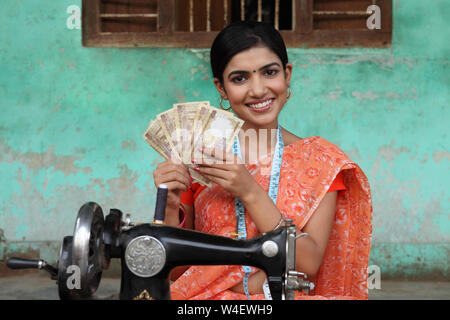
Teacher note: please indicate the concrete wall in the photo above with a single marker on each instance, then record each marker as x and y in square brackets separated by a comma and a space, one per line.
[72, 120]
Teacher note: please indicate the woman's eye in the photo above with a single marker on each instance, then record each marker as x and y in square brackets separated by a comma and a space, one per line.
[271, 72]
[238, 79]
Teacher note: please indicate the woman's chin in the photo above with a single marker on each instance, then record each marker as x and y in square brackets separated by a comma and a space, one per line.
[252, 124]
[262, 120]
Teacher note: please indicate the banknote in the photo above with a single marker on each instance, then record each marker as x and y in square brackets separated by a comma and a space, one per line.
[156, 138]
[197, 177]
[220, 129]
[170, 124]
[187, 113]
[200, 122]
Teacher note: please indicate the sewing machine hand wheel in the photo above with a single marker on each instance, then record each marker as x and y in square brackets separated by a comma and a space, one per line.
[82, 257]
[88, 249]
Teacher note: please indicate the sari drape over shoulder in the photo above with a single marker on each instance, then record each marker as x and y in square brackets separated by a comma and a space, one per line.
[309, 167]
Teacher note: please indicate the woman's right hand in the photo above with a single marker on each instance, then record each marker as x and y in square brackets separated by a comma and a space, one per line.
[177, 179]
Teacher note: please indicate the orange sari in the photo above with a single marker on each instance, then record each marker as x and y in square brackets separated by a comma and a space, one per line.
[309, 167]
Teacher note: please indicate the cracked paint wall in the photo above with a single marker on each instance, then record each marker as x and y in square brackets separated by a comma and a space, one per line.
[72, 120]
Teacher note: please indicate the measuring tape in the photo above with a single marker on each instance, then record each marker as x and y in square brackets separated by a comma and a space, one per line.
[273, 192]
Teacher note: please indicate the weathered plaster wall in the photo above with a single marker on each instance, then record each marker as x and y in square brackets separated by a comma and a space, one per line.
[72, 120]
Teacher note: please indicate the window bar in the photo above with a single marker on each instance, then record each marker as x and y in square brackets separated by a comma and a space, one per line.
[208, 15]
[242, 10]
[225, 13]
[259, 10]
[336, 13]
[128, 15]
[294, 17]
[191, 15]
[277, 14]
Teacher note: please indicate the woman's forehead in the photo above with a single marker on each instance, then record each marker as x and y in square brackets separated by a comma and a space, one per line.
[252, 59]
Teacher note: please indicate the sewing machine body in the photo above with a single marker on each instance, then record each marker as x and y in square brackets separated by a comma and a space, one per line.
[168, 247]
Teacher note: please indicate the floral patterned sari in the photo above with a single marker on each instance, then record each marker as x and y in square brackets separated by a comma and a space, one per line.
[309, 167]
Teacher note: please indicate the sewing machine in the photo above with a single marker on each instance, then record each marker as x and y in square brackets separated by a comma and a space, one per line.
[149, 251]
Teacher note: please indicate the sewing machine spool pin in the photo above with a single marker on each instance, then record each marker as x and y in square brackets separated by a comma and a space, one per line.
[160, 207]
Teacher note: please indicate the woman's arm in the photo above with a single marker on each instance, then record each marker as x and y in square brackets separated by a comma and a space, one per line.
[188, 224]
[189, 216]
[309, 250]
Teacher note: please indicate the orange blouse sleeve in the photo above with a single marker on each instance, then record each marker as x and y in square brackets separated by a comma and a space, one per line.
[188, 197]
[338, 183]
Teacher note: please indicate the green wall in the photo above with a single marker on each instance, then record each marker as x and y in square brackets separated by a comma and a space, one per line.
[72, 120]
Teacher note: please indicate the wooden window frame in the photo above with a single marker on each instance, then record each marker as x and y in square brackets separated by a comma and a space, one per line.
[303, 35]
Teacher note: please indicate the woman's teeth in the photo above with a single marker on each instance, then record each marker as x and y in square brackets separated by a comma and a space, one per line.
[261, 105]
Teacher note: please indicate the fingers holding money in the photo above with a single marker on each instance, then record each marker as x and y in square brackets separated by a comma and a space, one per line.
[175, 176]
[217, 158]
[228, 171]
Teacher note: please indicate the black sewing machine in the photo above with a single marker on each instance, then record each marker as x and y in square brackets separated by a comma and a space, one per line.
[149, 251]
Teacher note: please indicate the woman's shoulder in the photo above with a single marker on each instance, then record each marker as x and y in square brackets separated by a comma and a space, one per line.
[294, 141]
[314, 145]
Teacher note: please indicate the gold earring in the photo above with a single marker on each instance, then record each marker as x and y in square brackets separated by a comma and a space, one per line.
[289, 93]
[221, 105]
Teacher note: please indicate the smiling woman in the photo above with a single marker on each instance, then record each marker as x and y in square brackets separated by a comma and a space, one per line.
[256, 84]
[308, 180]
[252, 71]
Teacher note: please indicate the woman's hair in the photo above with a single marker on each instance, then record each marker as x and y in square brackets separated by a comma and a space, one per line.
[243, 35]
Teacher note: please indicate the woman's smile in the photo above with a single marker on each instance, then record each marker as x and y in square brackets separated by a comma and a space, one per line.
[261, 105]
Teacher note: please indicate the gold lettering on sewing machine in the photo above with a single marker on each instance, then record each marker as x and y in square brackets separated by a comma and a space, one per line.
[144, 295]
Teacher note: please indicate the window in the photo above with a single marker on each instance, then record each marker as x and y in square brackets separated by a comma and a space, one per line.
[195, 23]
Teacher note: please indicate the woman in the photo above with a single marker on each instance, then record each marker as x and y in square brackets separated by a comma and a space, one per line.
[307, 180]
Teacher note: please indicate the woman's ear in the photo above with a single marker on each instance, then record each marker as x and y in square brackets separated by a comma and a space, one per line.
[288, 73]
[220, 88]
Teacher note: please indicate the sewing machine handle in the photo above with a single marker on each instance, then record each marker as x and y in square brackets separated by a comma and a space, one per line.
[19, 263]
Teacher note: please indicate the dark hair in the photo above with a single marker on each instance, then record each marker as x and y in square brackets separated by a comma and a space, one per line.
[243, 35]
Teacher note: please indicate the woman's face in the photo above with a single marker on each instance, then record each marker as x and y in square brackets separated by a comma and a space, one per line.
[256, 86]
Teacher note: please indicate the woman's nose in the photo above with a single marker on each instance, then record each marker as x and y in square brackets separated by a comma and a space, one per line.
[257, 87]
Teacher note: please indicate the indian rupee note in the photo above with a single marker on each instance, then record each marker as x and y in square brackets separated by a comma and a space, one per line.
[220, 129]
[170, 125]
[187, 113]
[156, 138]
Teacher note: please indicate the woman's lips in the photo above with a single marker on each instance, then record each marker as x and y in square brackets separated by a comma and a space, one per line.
[260, 106]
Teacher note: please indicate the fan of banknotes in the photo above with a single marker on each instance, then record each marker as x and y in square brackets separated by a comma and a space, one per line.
[180, 133]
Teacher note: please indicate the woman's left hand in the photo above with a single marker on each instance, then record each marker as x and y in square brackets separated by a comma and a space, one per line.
[228, 171]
